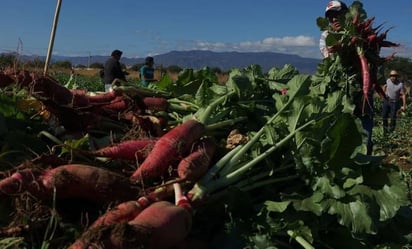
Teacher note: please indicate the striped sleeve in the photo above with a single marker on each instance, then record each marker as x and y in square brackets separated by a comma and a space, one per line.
[322, 44]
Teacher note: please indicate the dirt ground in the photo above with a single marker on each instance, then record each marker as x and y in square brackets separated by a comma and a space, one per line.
[400, 152]
[401, 157]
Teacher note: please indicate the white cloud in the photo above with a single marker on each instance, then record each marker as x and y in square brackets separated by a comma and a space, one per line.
[305, 46]
[302, 45]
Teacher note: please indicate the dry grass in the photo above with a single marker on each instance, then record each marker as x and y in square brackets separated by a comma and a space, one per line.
[93, 72]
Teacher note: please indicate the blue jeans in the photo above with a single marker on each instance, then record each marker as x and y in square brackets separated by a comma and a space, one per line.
[389, 108]
[366, 118]
[367, 124]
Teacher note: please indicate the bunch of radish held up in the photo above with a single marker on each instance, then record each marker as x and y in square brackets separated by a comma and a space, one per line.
[356, 61]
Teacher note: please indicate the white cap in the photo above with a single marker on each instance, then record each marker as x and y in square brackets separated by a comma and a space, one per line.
[335, 6]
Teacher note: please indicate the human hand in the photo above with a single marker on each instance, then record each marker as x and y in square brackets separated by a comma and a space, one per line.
[334, 48]
[403, 108]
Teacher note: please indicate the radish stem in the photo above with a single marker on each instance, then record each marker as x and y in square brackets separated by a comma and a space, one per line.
[300, 240]
[203, 187]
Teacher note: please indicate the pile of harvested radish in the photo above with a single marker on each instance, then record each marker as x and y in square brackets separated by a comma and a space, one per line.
[262, 161]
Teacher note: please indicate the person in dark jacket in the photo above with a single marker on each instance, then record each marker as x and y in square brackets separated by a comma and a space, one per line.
[113, 70]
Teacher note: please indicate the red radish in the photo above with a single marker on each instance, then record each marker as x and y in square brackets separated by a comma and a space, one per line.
[21, 181]
[102, 97]
[365, 78]
[112, 229]
[128, 150]
[87, 182]
[121, 103]
[372, 40]
[71, 181]
[168, 150]
[117, 104]
[49, 88]
[78, 91]
[156, 103]
[196, 164]
[367, 25]
[128, 210]
[80, 100]
[168, 223]
[125, 211]
[159, 225]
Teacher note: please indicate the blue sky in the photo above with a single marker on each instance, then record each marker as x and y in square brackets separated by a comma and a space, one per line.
[141, 28]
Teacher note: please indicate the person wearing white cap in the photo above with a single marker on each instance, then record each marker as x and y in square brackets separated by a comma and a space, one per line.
[395, 91]
[335, 13]
[334, 9]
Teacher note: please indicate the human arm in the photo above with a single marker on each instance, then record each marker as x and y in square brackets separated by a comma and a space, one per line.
[322, 44]
[403, 97]
[325, 50]
[384, 91]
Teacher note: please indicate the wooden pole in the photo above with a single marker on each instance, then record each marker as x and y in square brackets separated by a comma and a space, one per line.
[52, 35]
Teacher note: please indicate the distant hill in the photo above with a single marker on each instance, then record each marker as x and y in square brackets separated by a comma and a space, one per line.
[197, 59]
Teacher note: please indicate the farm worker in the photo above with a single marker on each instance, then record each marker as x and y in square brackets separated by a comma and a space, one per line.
[335, 13]
[147, 71]
[395, 91]
[113, 70]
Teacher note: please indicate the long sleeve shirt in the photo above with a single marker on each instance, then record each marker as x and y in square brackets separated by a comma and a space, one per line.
[113, 70]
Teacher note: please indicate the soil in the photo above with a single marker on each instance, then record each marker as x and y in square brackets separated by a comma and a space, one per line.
[397, 146]
[401, 157]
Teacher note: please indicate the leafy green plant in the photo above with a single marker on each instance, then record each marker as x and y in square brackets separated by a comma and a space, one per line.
[19, 126]
[77, 81]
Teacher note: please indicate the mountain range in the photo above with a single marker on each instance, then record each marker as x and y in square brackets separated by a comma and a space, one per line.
[198, 59]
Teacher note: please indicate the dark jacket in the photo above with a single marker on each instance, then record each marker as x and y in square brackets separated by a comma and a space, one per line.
[113, 70]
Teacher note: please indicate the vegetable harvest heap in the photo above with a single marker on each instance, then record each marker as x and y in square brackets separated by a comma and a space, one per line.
[193, 163]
